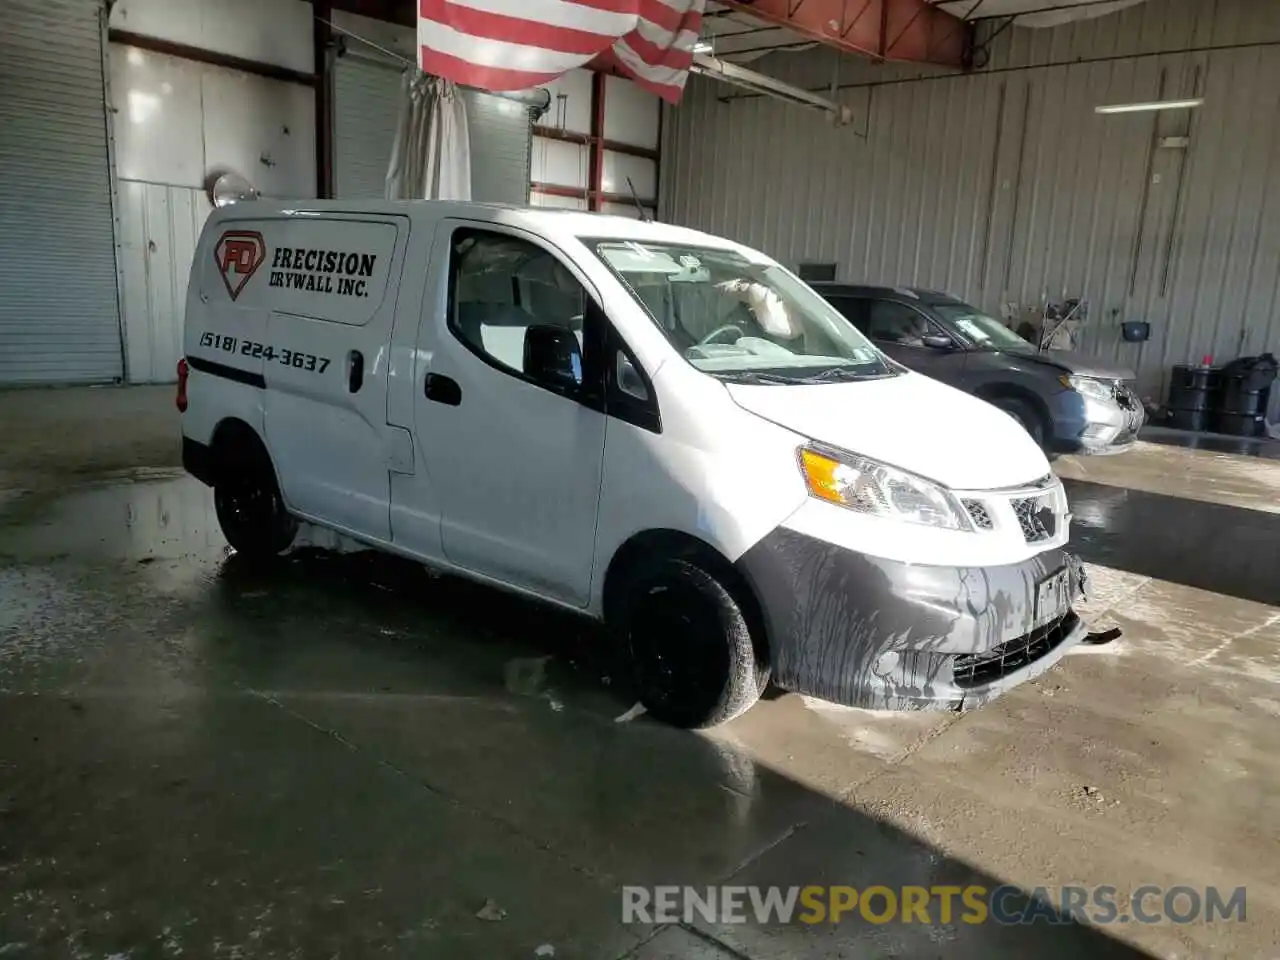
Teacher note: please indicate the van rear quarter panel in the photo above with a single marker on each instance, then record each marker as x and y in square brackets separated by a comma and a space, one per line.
[279, 304]
[212, 310]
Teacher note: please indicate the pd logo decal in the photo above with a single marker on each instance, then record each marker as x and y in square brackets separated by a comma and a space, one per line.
[239, 254]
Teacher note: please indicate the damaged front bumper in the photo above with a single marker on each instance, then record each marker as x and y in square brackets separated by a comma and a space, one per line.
[868, 632]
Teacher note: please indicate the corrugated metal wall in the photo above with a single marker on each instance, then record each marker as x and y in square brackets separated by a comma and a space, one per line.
[1006, 186]
[159, 227]
[59, 311]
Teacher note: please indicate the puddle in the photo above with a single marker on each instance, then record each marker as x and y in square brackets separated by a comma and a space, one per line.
[139, 521]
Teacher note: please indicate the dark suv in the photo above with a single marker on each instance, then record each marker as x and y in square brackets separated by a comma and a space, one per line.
[1069, 402]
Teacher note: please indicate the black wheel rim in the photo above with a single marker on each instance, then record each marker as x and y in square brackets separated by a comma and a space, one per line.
[678, 650]
[246, 505]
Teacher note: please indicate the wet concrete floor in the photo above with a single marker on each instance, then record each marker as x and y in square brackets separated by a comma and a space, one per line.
[344, 756]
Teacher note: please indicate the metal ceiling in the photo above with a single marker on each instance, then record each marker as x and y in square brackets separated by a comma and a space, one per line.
[1033, 13]
[739, 37]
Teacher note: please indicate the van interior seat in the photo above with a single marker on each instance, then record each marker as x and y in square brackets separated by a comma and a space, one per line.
[499, 330]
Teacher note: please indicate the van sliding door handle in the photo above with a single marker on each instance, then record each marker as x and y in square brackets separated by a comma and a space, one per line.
[443, 390]
[355, 371]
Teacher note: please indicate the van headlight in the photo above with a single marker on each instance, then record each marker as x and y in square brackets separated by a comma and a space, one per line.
[878, 490]
[1089, 387]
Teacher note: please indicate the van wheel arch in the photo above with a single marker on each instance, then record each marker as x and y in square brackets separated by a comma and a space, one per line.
[661, 559]
[650, 545]
[246, 490]
[235, 441]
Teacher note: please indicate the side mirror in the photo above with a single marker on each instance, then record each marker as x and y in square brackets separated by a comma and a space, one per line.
[936, 341]
[629, 381]
[553, 357]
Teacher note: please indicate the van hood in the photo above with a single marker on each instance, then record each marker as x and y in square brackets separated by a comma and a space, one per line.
[908, 421]
[1076, 363]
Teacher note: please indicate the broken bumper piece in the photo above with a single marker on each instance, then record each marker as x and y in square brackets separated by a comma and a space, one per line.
[868, 632]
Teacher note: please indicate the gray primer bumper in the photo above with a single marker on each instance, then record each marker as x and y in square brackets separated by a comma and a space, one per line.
[833, 614]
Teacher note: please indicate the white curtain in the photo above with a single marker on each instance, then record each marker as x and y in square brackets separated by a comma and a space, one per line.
[431, 157]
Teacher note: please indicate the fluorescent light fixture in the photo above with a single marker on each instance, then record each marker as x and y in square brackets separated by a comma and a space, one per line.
[1152, 105]
[702, 46]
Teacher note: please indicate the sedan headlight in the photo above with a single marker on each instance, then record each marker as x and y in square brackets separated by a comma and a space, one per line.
[1089, 387]
[878, 490]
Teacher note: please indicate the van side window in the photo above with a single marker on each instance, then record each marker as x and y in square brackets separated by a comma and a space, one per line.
[500, 285]
[853, 309]
[894, 322]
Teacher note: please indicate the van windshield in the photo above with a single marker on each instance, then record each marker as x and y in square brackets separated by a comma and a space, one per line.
[738, 320]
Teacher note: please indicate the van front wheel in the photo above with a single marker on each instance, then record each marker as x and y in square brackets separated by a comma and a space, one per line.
[691, 649]
[250, 509]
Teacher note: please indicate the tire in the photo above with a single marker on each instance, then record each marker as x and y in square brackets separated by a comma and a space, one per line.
[250, 509]
[690, 645]
[1028, 418]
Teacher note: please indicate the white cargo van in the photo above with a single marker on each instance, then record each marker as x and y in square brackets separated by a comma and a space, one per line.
[647, 425]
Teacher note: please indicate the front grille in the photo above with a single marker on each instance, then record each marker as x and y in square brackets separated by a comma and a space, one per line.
[979, 514]
[1036, 517]
[978, 669]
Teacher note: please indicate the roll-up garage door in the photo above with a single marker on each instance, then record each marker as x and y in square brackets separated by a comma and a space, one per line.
[366, 106]
[59, 303]
[501, 137]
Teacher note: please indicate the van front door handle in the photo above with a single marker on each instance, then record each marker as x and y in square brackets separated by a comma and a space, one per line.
[355, 371]
[443, 389]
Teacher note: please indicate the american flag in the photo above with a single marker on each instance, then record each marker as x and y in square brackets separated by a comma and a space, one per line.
[516, 44]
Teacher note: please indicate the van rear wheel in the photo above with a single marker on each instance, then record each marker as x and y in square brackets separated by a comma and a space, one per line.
[692, 653]
[250, 509]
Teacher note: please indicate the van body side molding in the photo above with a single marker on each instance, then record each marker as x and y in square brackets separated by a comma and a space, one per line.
[227, 372]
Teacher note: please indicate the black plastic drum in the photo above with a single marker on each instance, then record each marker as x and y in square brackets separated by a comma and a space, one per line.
[1241, 407]
[1190, 390]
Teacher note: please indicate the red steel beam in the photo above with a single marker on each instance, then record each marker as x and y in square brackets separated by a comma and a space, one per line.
[913, 31]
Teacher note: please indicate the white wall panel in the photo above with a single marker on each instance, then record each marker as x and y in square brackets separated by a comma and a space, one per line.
[176, 120]
[564, 164]
[642, 171]
[570, 103]
[158, 117]
[538, 199]
[264, 129]
[398, 40]
[159, 228]
[268, 31]
[1009, 187]
[630, 113]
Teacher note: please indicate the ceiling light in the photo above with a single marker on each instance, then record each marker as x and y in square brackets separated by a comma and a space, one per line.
[1152, 105]
[702, 46]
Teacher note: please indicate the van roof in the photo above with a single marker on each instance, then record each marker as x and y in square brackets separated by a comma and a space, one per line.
[542, 220]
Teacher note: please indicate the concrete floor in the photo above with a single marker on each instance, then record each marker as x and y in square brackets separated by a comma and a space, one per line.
[347, 757]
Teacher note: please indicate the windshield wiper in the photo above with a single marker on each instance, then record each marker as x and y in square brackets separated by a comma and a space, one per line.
[847, 373]
[753, 376]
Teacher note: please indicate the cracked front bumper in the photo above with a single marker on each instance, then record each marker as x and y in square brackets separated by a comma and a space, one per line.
[868, 632]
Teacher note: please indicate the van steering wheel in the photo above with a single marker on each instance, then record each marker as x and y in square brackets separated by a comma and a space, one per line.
[711, 337]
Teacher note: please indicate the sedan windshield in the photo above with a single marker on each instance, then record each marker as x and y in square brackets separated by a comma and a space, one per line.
[740, 320]
[979, 328]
